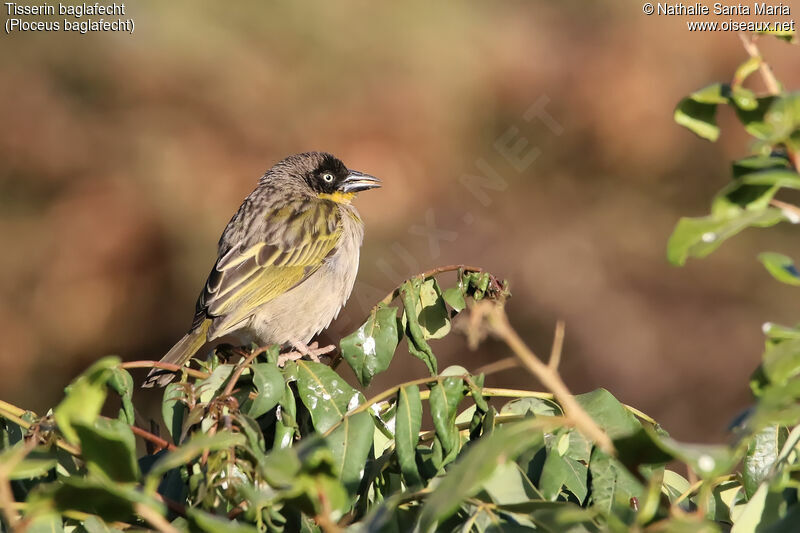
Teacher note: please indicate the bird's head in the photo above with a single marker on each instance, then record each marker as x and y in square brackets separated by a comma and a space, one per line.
[326, 176]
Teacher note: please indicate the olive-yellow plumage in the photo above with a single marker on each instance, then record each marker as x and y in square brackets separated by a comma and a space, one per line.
[287, 260]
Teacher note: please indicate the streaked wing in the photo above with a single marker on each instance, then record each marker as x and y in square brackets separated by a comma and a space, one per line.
[277, 253]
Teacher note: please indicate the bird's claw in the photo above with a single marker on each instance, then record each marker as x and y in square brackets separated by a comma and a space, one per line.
[312, 351]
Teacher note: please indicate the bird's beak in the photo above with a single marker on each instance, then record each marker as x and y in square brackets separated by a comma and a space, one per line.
[358, 181]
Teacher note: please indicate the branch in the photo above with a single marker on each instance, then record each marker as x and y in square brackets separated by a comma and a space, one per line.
[166, 366]
[13, 413]
[428, 273]
[498, 324]
[238, 372]
[155, 439]
[558, 345]
[773, 86]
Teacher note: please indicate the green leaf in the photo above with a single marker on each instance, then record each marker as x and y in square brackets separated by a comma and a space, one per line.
[192, 449]
[444, 399]
[745, 70]
[783, 117]
[269, 384]
[370, 349]
[350, 444]
[781, 267]
[744, 98]
[108, 446]
[531, 406]
[286, 424]
[213, 384]
[674, 485]
[476, 466]
[612, 486]
[758, 513]
[417, 343]
[84, 397]
[93, 524]
[46, 523]
[762, 452]
[454, 296]
[216, 524]
[431, 310]
[407, 426]
[173, 409]
[782, 360]
[325, 394]
[36, 463]
[754, 121]
[508, 485]
[98, 496]
[698, 112]
[707, 460]
[563, 471]
[122, 383]
[698, 237]
[608, 413]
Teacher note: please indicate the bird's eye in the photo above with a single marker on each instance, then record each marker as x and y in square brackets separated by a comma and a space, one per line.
[328, 177]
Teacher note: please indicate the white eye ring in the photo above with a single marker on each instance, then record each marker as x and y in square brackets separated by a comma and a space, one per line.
[328, 177]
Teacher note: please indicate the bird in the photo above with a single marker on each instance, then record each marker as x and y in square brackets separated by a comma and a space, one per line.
[286, 262]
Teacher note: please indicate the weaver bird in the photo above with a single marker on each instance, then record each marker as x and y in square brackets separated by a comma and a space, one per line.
[286, 262]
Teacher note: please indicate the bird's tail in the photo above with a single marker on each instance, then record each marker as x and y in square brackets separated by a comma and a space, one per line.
[179, 354]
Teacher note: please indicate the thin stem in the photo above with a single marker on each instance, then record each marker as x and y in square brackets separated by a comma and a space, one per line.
[155, 439]
[696, 485]
[498, 322]
[786, 207]
[12, 412]
[428, 273]
[238, 372]
[158, 521]
[496, 366]
[166, 366]
[558, 345]
[772, 84]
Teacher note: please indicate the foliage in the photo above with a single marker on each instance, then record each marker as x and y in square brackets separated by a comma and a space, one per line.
[265, 444]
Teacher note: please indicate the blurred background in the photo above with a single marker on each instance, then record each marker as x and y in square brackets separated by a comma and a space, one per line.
[122, 157]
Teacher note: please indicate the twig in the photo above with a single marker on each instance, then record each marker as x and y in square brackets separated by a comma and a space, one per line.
[11, 412]
[166, 366]
[558, 345]
[772, 84]
[10, 512]
[238, 372]
[697, 484]
[496, 366]
[498, 322]
[155, 439]
[158, 521]
[791, 208]
[428, 273]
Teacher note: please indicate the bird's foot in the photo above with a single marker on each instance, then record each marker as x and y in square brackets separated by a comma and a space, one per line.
[228, 352]
[312, 351]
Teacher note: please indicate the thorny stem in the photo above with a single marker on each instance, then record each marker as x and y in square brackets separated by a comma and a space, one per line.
[772, 84]
[498, 324]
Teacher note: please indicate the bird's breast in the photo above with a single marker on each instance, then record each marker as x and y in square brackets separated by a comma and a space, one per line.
[308, 308]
